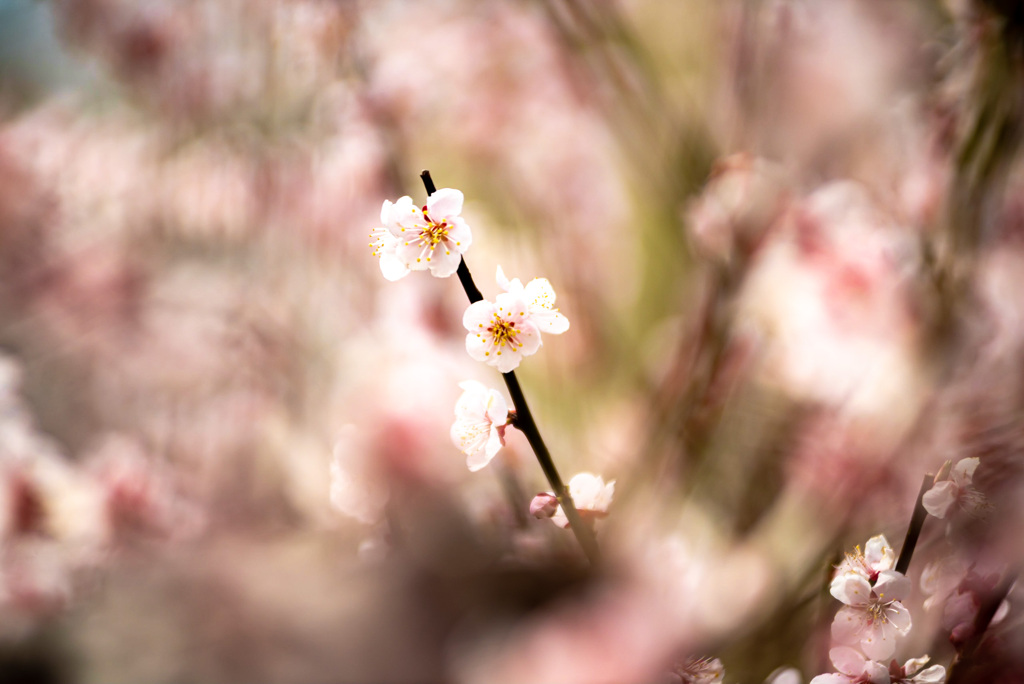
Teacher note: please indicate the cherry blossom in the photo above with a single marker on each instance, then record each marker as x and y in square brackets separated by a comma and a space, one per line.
[956, 490]
[914, 672]
[853, 668]
[433, 237]
[480, 417]
[544, 505]
[876, 557]
[501, 332]
[873, 615]
[539, 297]
[591, 496]
[384, 246]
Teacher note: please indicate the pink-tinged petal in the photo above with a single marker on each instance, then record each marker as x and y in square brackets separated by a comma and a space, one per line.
[502, 281]
[392, 268]
[444, 203]
[401, 213]
[494, 443]
[460, 237]
[936, 674]
[478, 316]
[878, 641]
[879, 554]
[550, 321]
[898, 616]
[497, 408]
[939, 498]
[529, 337]
[478, 460]
[914, 665]
[875, 673]
[507, 360]
[963, 471]
[848, 625]
[847, 660]
[831, 678]
[891, 586]
[478, 346]
[851, 588]
[539, 294]
[560, 519]
[412, 255]
[444, 262]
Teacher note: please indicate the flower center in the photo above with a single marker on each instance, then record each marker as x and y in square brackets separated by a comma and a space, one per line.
[876, 613]
[433, 233]
[504, 332]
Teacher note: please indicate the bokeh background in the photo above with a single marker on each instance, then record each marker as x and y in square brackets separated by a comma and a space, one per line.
[787, 234]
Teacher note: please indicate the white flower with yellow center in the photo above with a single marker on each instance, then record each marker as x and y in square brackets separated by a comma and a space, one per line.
[539, 297]
[480, 418]
[501, 332]
[433, 237]
[873, 615]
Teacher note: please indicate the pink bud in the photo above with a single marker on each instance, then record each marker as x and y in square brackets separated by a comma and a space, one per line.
[543, 505]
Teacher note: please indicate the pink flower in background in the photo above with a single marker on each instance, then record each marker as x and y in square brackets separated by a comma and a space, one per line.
[873, 615]
[539, 297]
[853, 668]
[433, 237]
[956, 490]
[591, 496]
[501, 333]
[480, 416]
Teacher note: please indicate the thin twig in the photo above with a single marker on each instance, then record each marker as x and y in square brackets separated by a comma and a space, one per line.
[914, 530]
[527, 425]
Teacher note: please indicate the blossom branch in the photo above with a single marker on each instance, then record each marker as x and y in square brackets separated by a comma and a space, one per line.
[914, 530]
[526, 424]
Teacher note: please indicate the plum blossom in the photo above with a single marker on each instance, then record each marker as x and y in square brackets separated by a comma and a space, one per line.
[915, 672]
[591, 496]
[539, 297]
[480, 418]
[501, 332]
[876, 557]
[544, 505]
[873, 615]
[384, 246]
[433, 237]
[853, 668]
[956, 490]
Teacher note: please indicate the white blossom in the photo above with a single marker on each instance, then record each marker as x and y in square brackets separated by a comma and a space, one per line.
[431, 237]
[873, 615]
[480, 417]
[956, 490]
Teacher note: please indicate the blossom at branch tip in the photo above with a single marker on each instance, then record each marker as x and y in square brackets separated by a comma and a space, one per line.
[433, 237]
[501, 332]
[853, 668]
[539, 297]
[873, 615]
[876, 557]
[590, 495]
[956, 490]
[480, 418]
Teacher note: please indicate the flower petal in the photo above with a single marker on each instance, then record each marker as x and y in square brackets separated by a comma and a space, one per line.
[891, 586]
[478, 316]
[851, 588]
[444, 262]
[963, 471]
[939, 498]
[444, 203]
[460, 237]
[392, 268]
[847, 660]
[936, 674]
[879, 554]
[878, 641]
[848, 624]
